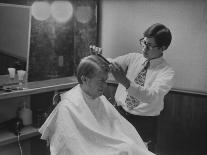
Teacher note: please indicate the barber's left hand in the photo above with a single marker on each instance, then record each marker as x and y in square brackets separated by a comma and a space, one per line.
[119, 74]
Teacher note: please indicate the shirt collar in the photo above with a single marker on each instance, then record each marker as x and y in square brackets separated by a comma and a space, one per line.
[154, 62]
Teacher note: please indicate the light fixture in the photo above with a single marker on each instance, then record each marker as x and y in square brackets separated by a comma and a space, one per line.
[40, 10]
[61, 11]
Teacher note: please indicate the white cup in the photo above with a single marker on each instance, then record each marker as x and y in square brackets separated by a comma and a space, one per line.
[11, 73]
[21, 74]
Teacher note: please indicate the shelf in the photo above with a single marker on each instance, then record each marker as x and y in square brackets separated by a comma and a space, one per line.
[41, 87]
[45, 86]
[7, 137]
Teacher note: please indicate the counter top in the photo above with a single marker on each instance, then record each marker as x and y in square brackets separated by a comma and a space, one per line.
[58, 84]
[44, 86]
[40, 87]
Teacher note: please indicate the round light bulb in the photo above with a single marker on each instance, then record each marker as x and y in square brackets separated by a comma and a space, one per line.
[61, 11]
[40, 10]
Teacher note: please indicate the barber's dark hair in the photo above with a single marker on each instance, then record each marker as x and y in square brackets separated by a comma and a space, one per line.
[160, 33]
[88, 67]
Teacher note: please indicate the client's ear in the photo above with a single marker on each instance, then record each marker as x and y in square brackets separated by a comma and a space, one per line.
[83, 78]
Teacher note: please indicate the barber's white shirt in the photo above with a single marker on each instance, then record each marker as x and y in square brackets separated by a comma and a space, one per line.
[158, 82]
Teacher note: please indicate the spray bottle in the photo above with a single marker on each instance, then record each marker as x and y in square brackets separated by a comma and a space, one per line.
[26, 115]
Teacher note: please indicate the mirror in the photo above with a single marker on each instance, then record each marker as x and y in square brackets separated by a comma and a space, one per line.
[46, 46]
[14, 39]
[60, 37]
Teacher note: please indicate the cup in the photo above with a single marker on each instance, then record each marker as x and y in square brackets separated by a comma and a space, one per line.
[21, 74]
[12, 73]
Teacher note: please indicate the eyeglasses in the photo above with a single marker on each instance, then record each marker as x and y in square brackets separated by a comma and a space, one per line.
[143, 43]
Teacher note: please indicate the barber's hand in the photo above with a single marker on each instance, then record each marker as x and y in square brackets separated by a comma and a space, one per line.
[119, 74]
[95, 50]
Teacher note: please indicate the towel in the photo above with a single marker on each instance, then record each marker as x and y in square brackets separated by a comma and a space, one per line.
[80, 125]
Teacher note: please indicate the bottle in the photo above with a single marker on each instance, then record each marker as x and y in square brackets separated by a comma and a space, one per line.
[26, 115]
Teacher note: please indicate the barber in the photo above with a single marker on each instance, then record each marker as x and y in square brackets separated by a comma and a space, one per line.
[144, 78]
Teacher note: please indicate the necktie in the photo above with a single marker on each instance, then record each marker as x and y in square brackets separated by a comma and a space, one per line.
[131, 101]
[140, 79]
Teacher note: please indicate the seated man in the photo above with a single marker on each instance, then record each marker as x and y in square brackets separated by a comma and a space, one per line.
[85, 123]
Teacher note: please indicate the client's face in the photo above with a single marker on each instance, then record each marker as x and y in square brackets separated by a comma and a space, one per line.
[96, 85]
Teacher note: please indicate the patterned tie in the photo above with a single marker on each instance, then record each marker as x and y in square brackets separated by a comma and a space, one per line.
[131, 101]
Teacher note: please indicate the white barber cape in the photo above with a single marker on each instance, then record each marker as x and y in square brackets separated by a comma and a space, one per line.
[74, 128]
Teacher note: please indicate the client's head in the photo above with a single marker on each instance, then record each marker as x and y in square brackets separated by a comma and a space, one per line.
[92, 73]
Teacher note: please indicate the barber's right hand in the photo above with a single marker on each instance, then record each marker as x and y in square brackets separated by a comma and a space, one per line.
[95, 50]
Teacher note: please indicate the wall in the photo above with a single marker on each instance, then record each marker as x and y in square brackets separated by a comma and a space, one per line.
[182, 125]
[124, 21]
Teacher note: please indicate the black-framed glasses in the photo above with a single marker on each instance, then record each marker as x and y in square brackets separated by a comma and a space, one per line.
[143, 43]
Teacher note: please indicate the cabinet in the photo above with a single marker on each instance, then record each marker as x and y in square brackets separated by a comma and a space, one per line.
[39, 95]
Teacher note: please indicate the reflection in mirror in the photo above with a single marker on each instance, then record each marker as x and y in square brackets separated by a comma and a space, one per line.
[14, 39]
[61, 32]
[46, 45]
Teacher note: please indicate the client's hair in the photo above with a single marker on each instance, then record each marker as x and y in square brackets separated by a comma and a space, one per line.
[89, 65]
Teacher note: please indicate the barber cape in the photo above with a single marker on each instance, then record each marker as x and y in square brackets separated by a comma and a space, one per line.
[80, 125]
